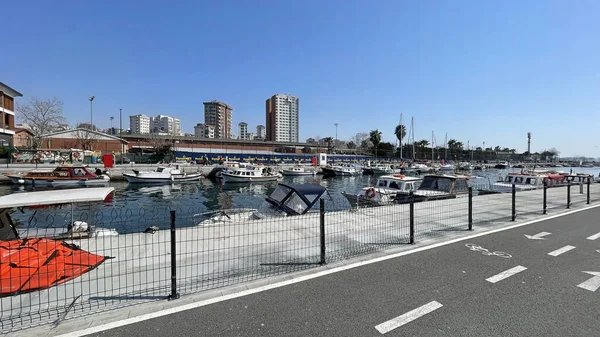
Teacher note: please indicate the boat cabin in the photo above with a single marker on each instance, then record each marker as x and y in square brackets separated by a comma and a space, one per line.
[524, 179]
[63, 172]
[293, 199]
[34, 200]
[444, 183]
[398, 182]
[580, 178]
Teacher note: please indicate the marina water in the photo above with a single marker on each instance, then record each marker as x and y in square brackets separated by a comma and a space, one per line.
[135, 207]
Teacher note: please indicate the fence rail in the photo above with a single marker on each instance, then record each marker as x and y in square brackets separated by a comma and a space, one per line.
[161, 254]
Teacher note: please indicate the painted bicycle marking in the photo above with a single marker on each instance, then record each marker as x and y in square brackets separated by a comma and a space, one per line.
[486, 252]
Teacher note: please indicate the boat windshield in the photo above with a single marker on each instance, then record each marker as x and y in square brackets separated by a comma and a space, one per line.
[436, 183]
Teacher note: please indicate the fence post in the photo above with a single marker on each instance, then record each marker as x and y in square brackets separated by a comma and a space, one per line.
[569, 194]
[322, 229]
[514, 203]
[174, 294]
[588, 189]
[412, 217]
[470, 208]
[580, 187]
[545, 195]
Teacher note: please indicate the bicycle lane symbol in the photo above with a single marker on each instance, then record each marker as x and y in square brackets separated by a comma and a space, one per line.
[486, 252]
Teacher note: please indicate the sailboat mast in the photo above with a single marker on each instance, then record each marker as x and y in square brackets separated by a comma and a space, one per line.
[432, 142]
[446, 147]
[412, 127]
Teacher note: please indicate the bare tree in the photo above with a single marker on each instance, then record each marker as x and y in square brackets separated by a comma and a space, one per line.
[85, 139]
[42, 116]
[160, 144]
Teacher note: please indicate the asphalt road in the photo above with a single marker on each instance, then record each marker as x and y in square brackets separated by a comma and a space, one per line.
[443, 291]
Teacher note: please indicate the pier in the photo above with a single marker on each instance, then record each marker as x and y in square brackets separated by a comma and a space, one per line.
[147, 267]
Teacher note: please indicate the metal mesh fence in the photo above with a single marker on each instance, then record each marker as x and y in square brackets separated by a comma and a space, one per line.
[211, 250]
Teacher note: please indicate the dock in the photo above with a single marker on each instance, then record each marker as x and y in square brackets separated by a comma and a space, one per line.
[223, 254]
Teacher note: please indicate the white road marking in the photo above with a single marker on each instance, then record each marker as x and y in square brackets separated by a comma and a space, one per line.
[408, 317]
[593, 237]
[202, 303]
[591, 284]
[561, 250]
[505, 274]
[538, 236]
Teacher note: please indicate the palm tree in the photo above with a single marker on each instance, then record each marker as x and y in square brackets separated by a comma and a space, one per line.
[400, 133]
[375, 138]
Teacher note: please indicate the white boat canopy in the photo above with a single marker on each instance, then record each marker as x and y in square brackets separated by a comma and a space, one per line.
[44, 198]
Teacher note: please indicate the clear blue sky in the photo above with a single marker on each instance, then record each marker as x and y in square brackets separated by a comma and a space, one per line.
[478, 70]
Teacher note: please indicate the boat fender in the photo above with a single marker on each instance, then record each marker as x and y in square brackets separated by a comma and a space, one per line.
[399, 175]
[21, 181]
[15, 155]
[370, 193]
[78, 227]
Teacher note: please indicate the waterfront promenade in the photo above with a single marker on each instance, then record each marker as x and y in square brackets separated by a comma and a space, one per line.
[215, 261]
[536, 287]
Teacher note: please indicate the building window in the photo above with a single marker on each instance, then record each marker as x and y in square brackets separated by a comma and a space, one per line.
[19, 139]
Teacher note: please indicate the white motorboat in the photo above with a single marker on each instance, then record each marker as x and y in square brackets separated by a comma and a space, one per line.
[75, 230]
[339, 170]
[297, 171]
[525, 181]
[466, 167]
[286, 200]
[502, 165]
[387, 189]
[162, 174]
[249, 174]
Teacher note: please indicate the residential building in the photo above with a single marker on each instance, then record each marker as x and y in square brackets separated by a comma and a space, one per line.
[7, 108]
[165, 125]
[204, 131]
[218, 114]
[282, 118]
[261, 132]
[139, 124]
[23, 138]
[243, 130]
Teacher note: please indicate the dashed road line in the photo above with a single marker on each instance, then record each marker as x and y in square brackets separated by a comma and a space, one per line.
[408, 317]
[561, 250]
[505, 274]
[593, 237]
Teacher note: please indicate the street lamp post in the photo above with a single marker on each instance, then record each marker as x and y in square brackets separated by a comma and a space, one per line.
[92, 111]
[112, 132]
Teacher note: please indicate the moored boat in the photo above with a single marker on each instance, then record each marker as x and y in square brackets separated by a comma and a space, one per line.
[162, 174]
[64, 175]
[249, 174]
[388, 187]
[297, 171]
[339, 170]
[286, 200]
[437, 187]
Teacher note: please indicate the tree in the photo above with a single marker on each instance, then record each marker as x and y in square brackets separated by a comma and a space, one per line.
[329, 142]
[351, 145]
[400, 133]
[359, 137]
[161, 145]
[85, 139]
[375, 138]
[42, 116]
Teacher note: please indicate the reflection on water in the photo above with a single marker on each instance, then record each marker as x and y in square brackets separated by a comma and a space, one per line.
[138, 202]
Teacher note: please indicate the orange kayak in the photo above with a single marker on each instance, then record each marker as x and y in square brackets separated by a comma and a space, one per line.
[34, 264]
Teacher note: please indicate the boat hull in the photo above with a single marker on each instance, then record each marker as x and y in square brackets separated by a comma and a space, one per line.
[230, 178]
[59, 182]
[296, 173]
[132, 178]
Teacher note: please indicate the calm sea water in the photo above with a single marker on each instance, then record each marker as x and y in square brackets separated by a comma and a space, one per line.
[136, 207]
